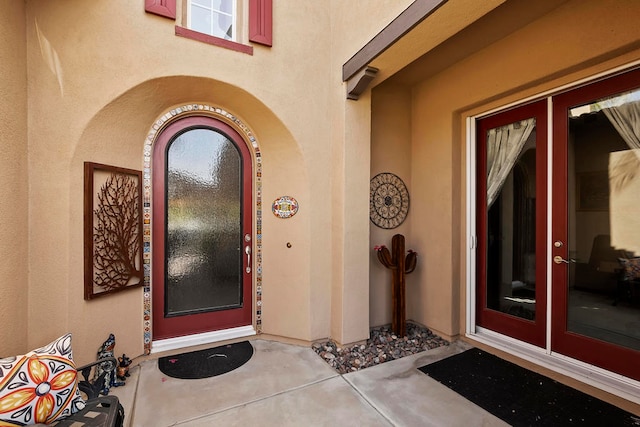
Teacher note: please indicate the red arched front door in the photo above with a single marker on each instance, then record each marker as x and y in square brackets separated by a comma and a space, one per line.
[202, 229]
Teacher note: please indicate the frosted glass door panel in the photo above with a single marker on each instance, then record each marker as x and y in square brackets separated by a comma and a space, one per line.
[204, 233]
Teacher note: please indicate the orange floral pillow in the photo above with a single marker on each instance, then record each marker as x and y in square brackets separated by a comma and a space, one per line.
[40, 386]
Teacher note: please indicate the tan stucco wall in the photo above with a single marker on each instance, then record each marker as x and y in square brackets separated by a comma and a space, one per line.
[100, 74]
[100, 107]
[350, 165]
[573, 41]
[390, 152]
[14, 208]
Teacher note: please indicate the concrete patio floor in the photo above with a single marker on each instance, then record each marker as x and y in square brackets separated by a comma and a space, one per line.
[289, 385]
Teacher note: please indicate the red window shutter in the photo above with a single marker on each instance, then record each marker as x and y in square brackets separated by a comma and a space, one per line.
[166, 8]
[261, 21]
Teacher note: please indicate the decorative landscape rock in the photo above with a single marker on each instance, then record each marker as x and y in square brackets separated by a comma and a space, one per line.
[382, 346]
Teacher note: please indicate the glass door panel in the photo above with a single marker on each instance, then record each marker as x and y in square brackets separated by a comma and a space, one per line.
[511, 222]
[204, 230]
[511, 281]
[596, 258]
[605, 218]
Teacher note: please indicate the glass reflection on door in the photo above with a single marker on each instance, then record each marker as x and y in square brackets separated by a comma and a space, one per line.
[204, 233]
[603, 300]
[511, 219]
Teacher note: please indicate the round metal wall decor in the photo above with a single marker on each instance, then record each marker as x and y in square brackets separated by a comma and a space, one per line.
[284, 207]
[388, 201]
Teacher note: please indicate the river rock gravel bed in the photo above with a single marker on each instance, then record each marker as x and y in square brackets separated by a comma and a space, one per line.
[382, 346]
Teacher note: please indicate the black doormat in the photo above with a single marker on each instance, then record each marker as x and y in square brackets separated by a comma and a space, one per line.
[206, 363]
[522, 397]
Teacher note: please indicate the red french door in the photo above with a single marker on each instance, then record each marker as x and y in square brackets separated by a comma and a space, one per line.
[511, 223]
[202, 229]
[593, 250]
[596, 226]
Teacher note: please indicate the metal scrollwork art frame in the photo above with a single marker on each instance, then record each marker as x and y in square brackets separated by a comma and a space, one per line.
[388, 200]
[112, 229]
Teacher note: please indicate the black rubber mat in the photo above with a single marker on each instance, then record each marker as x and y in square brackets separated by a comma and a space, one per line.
[522, 397]
[206, 363]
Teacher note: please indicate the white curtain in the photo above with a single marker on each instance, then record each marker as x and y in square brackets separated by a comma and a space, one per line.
[624, 178]
[624, 167]
[504, 145]
[626, 119]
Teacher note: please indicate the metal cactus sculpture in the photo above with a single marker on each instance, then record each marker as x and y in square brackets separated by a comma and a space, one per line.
[400, 265]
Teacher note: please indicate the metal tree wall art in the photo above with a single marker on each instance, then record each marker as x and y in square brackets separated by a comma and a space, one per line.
[113, 229]
[400, 265]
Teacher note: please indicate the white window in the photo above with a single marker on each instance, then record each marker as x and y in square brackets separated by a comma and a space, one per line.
[213, 17]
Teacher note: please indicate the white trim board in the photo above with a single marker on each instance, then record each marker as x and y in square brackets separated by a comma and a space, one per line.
[160, 346]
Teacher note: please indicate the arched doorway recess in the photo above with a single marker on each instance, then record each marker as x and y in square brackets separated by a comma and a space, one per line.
[254, 203]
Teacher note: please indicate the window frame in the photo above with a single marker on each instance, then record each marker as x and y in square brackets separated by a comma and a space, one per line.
[213, 13]
[259, 23]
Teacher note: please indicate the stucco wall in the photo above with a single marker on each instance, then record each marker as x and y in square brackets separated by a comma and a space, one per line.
[98, 104]
[349, 183]
[390, 152]
[14, 209]
[572, 41]
[101, 73]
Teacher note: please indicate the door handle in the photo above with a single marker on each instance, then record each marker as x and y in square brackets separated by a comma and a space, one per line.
[247, 250]
[559, 260]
